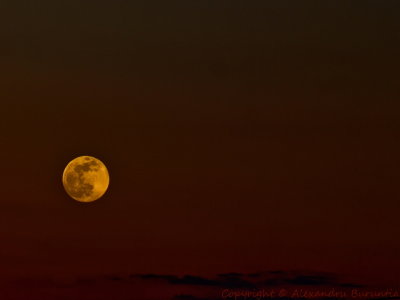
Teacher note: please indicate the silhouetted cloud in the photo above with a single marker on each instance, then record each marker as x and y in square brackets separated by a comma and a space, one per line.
[189, 286]
[253, 280]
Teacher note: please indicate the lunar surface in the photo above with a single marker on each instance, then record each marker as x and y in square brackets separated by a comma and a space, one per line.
[86, 179]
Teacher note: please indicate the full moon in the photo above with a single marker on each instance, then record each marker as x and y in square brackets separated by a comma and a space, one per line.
[85, 179]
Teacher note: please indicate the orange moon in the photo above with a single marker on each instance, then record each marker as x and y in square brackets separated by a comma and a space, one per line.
[85, 179]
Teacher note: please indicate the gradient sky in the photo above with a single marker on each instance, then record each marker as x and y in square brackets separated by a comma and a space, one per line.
[239, 136]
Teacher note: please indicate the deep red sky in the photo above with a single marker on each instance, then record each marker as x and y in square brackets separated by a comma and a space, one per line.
[240, 136]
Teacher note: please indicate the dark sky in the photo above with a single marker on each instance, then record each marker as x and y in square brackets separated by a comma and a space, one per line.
[239, 136]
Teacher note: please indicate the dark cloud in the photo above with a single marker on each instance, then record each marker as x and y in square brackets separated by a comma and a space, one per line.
[254, 280]
[190, 287]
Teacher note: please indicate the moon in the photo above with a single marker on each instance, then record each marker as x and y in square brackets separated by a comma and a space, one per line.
[85, 179]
